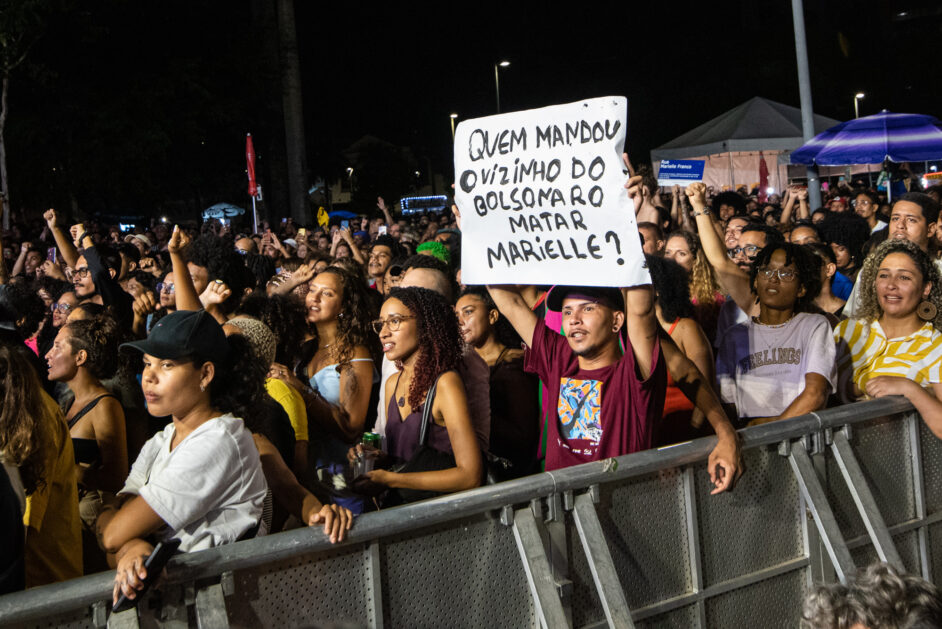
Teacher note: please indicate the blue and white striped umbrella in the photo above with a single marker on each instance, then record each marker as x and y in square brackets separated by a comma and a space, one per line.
[874, 139]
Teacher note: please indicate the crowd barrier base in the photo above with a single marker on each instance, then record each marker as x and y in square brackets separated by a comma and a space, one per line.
[636, 541]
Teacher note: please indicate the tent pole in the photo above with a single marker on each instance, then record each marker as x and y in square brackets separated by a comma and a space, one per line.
[804, 87]
[732, 184]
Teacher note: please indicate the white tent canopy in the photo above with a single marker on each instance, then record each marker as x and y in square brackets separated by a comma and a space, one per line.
[731, 143]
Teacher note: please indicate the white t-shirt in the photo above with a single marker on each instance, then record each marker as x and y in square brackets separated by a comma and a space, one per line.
[880, 225]
[761, 368]
[209, 489]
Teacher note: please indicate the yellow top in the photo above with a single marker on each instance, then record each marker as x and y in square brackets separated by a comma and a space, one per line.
[54, 533]
[293, 404]
[864, 352]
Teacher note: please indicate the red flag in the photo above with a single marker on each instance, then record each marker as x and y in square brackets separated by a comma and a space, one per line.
[250, 164]
[763, 179]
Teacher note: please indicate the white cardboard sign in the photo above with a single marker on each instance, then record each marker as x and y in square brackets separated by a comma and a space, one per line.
[542, 197]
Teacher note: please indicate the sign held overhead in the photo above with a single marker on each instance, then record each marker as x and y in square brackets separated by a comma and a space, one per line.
[542, 197]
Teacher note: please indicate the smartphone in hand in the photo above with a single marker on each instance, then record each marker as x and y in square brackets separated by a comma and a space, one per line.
[154, 565]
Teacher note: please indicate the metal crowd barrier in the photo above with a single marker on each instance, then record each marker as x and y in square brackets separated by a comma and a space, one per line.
[636, 541]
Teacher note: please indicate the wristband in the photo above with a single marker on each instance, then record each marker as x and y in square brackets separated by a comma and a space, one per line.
[703, 212]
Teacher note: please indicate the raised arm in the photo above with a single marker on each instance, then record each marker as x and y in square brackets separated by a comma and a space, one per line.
[355, 251]
[187, 297]
[381, 204]
[790, 198]
[511, 304]
[66, 248]
[734, 279]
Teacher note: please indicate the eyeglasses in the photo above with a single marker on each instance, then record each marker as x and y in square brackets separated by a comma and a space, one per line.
[82, 273]
[751, 251]
[165, 287]
[784, 275]
[60, 307]
[393, 322]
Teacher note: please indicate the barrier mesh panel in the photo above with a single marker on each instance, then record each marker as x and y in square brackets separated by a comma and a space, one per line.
[756, 526]
[774, 602]
[644, 521]
[883, 451]
[466, 573]
[907, 544]
[683, 618]
[845, 511]
[327, 587]
[931, 468]
[935, 552]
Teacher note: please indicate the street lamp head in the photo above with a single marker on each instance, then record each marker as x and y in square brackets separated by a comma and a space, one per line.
[859, 95]
[453, 115]
[504, 64]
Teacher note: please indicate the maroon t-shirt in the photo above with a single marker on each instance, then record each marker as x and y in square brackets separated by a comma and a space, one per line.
[600, 413]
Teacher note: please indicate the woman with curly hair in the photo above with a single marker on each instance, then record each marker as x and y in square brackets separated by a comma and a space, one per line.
[419, 332]
[683, 247]
[338, 378]
[34, 438]
[894, 345]
[779, 364]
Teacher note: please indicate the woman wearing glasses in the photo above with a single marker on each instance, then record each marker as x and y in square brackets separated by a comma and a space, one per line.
[419, 332]
[895, 346]
[778, 364]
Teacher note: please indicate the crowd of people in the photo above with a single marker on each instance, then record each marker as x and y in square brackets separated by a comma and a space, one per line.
[210, 384]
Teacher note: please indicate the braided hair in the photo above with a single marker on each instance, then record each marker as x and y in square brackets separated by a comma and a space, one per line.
[440, 342]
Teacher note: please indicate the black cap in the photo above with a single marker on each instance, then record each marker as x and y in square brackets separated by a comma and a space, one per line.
[183, 334]
[605, 295]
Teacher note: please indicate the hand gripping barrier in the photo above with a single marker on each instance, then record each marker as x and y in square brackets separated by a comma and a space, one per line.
[635, 541]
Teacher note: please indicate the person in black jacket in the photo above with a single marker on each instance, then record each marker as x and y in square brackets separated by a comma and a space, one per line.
[95, 279]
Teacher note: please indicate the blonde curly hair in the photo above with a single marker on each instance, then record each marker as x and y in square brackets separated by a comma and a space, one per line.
[704, 286]
[868, 307]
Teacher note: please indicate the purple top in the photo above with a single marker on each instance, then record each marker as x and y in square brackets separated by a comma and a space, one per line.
[402, 436]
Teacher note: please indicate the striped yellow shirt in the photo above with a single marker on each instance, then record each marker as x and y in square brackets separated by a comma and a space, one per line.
[864, 352]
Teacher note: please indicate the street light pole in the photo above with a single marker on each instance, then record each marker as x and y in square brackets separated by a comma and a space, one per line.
[452, 117]
[857, 98]
[499, 64]
[804, 90]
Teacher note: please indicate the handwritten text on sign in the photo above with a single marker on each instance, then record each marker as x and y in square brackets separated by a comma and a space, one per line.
[542, 197]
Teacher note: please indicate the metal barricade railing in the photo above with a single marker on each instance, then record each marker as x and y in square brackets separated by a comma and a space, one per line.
[627, 542]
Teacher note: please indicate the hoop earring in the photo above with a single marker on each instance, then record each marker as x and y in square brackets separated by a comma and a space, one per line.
[927, 310]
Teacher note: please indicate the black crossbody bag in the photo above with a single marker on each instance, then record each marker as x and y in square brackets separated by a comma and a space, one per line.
[424, 459]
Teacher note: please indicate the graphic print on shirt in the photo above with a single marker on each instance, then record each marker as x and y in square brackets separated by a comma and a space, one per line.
[580, 414]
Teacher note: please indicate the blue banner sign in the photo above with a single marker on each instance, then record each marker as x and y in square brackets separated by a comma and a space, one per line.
[682, 172]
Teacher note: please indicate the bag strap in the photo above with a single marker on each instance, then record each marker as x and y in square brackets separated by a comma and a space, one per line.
[427, 413]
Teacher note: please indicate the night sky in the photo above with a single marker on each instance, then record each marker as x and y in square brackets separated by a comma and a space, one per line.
[138, 105]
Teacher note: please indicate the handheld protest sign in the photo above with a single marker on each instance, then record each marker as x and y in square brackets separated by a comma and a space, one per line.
[542, 197]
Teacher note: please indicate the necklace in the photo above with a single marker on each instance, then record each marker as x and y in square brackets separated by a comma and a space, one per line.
[320, 347]
[777, 325]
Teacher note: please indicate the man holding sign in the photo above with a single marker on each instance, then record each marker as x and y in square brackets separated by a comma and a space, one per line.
[543, 202]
